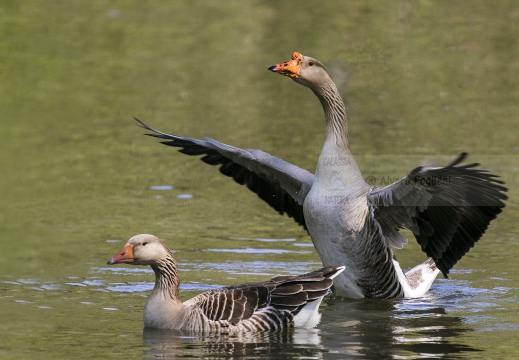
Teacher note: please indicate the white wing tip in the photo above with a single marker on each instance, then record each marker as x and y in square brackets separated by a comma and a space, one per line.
[339, 270]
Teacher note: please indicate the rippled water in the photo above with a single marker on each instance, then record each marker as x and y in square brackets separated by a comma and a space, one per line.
[423, 81]
[455, 319]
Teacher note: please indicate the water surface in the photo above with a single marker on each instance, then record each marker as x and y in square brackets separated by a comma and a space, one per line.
[423, 81]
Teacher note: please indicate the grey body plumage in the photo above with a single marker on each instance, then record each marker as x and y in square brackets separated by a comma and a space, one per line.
[361, 225]
[280, 303]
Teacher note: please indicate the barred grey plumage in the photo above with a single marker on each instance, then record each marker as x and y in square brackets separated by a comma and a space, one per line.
[280, 303]
[351, 222]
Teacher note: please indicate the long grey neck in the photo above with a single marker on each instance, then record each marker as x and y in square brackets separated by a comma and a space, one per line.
[336, 164]
[335, 114]
[167, 280]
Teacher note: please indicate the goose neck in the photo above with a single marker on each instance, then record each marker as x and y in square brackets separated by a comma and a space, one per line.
[334, 112]
[336, 168]
[167, 281]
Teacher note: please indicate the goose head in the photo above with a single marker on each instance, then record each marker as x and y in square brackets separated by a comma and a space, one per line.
[143, 249]
[304, 70]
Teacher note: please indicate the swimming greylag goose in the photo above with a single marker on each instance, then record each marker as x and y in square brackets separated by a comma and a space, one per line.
[282, 302]
[447, 208]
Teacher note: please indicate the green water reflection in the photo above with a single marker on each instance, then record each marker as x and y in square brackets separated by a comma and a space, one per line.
[423, 81]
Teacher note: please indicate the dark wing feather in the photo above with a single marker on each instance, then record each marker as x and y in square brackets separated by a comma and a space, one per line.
[296, 291]
[448, 209]
[284, 293]
[233, 305]
[280, 184]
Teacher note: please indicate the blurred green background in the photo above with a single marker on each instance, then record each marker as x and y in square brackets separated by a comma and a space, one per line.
[423, 81]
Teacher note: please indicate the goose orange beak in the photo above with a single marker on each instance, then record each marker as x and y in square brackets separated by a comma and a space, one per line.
[289, 68]
[125, 256]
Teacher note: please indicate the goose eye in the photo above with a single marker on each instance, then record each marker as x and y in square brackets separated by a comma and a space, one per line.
[310, 63]
[144, 243]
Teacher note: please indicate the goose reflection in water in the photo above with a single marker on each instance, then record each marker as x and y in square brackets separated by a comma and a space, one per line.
[410, 328]
[283, 344]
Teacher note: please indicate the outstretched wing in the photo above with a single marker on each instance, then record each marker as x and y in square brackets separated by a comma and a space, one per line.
[447, 208]
[280, 184]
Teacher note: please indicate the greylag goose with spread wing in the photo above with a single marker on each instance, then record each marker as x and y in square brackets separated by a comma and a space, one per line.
[280, 303]
[447, 208]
